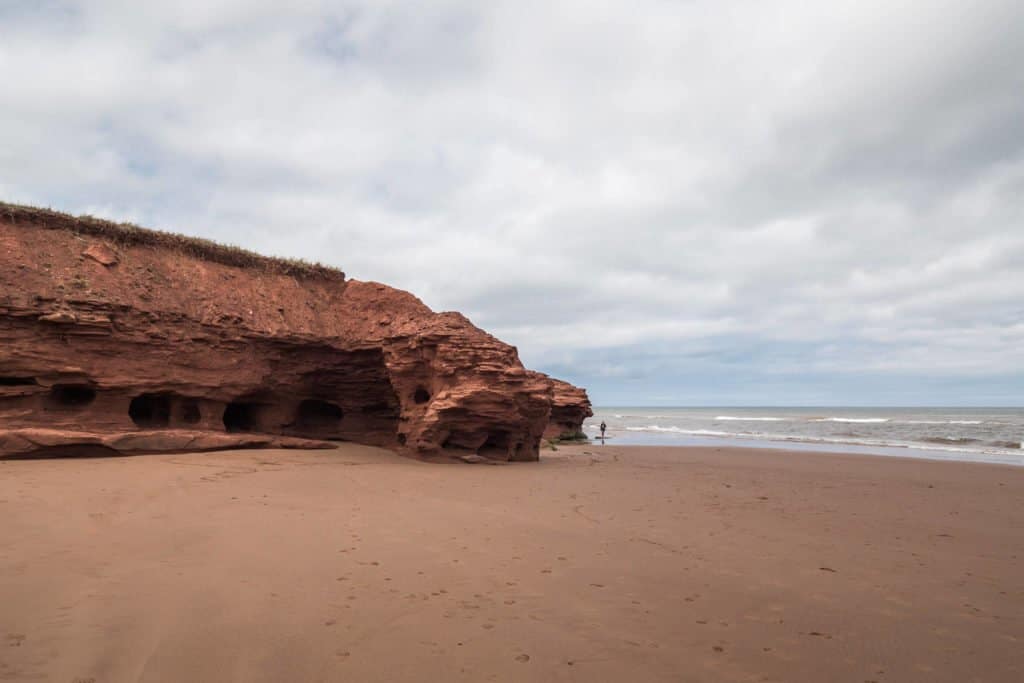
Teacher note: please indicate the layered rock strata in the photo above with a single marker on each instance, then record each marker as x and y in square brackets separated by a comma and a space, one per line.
[570, 406]
[113, 337]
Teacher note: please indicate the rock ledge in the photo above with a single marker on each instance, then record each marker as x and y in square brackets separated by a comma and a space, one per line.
[116, 337]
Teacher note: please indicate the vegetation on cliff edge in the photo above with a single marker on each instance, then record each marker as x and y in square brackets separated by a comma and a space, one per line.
[128, 234]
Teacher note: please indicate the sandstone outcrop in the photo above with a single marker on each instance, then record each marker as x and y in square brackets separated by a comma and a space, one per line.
[570, 406]
[114, 337]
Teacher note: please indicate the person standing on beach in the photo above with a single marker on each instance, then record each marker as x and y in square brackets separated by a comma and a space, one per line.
[603, 427]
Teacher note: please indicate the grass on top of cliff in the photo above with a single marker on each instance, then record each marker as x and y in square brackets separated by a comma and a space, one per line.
[127, 234]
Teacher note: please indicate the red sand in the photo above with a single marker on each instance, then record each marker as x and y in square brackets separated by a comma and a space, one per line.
[596, 564]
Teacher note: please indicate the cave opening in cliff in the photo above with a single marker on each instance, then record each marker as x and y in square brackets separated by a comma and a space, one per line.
[17, 382]
[421, 395]
[496, 446]
[468, 441]
[316, 416]
[150, 410]
[71, 396]
[242, 416]
[190, 412]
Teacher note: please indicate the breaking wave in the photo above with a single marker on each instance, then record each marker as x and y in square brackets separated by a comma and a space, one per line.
[931, 443]
[952, 440]
[970, 434]
[678, 430]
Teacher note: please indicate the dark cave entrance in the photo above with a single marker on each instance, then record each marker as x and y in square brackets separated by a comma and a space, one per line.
[466, 441]
[17, 382]
[150, 410]
[242, 416]
[421, 396]
[190, 414]
[314, 415]
[73, 396]
[496, 446]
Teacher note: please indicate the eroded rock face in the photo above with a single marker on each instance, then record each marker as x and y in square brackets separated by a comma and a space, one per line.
[131, 342]
[570, 406]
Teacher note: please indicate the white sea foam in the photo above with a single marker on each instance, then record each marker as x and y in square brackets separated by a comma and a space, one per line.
[882, 420]
[978, 450]
[677, 430]
[994, 437]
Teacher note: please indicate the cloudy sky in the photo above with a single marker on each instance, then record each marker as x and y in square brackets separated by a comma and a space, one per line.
[693, 203]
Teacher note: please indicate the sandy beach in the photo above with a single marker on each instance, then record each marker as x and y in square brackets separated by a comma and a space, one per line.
[599, 563]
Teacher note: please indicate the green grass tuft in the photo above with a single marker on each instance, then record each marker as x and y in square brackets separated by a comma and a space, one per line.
[128, 234]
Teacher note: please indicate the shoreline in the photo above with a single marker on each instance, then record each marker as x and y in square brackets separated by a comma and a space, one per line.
[596, 563]
[915, 452]
[986, 434]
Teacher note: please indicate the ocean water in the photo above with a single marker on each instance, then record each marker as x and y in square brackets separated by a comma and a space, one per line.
[970, 434]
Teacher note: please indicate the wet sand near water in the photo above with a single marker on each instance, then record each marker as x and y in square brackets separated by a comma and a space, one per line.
[600, 563]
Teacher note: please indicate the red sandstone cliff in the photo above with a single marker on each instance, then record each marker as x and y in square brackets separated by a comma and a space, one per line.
[570, 406]
[117, 337]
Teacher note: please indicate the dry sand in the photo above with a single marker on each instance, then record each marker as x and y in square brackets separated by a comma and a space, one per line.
[596, 564]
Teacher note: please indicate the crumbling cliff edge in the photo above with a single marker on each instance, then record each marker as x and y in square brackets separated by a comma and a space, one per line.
[115, 338]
